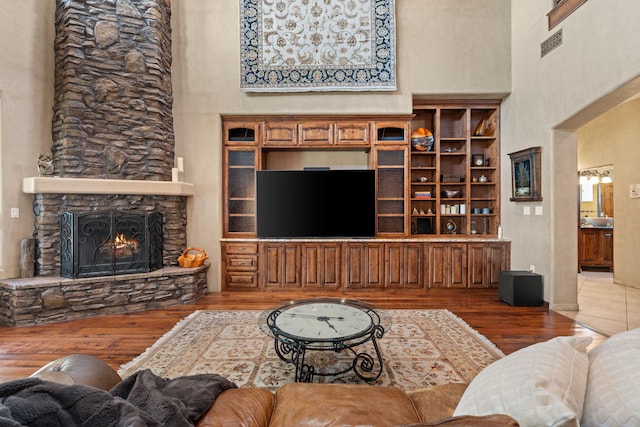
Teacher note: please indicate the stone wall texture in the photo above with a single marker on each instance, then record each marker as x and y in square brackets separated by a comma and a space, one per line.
[113, 99]
[41, 301]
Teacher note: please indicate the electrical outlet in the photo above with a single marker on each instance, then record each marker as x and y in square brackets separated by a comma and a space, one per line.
[15, 213]
[532, 268]
[526, 210]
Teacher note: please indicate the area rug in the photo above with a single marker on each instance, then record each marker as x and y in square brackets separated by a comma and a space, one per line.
[301, 45]
[422, 348]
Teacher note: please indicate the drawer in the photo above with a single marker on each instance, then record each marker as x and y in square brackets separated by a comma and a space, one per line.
[241, 248]
[242, 263]
[241, 280]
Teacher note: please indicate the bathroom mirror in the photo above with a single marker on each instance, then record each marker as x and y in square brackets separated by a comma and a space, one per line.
[596, 192]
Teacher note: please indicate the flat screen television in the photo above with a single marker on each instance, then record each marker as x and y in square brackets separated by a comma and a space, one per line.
[315, 203]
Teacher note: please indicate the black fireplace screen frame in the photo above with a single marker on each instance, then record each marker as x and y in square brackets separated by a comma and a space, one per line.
[90, 245]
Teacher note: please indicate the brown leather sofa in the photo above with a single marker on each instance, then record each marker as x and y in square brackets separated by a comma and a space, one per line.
[298, 404]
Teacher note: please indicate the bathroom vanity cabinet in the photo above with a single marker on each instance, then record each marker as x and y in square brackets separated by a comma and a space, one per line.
[595, 247]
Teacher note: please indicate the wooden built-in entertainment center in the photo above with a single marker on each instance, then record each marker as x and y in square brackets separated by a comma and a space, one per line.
[437, 210]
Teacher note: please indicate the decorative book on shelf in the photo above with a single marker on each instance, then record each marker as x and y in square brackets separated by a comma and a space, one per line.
[451, 178]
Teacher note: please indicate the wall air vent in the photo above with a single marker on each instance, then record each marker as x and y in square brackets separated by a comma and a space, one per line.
[551, 43]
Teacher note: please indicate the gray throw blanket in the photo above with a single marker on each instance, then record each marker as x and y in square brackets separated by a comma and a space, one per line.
[140, 400]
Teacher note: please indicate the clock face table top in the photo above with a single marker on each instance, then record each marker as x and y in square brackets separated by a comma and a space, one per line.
[326, 324]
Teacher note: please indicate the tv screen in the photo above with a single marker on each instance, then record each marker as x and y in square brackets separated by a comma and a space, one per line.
[315, 203]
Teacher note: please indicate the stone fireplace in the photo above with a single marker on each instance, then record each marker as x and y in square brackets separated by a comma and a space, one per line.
[112, 149]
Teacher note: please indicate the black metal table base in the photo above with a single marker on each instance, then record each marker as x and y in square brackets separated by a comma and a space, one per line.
[364, 364]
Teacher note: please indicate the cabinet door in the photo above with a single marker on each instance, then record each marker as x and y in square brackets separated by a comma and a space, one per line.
[391, 178]
[588, 247]
[364, 265]
[316, 133]
[447, 265]
[498, 258]
[321, 265]
[311, 266]
[280, 265]
[291, 266]
[403, 265]
[394, 266]
[280, 134]
[458, 265]
[331, 265]
[241, 132]
[391, 132]
[353, 134]
[239, 210]
[413, 261]
[438, 258]
[606, 237]
[486, 260]
[477, 275]
[270, 259]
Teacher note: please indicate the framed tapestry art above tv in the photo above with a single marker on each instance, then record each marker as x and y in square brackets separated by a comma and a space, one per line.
[329, 45]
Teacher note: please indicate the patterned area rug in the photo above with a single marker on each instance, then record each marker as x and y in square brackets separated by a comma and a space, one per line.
[422, 348]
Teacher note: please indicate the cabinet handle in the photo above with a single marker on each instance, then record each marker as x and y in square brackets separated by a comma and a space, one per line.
[608, 234]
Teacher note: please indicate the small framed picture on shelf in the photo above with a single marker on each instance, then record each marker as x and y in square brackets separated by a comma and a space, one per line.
[477, 160]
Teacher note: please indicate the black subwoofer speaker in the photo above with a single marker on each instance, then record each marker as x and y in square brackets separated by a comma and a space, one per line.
[520, 288]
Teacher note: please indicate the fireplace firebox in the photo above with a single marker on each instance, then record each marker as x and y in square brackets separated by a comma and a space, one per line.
[109, 243]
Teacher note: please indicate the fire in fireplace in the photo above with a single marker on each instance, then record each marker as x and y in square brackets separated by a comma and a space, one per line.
[109, 243]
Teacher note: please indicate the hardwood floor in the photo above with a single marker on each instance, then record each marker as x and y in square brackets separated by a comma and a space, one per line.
[119, 338]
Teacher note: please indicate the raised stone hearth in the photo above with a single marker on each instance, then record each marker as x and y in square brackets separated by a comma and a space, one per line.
[37, 300]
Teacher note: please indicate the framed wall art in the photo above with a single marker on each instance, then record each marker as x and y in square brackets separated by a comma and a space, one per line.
[525, 175]
[329, 45]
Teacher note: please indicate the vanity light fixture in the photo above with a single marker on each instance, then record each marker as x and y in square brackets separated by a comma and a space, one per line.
[594, 176]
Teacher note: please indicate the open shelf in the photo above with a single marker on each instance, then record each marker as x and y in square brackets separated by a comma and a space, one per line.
[466, 159]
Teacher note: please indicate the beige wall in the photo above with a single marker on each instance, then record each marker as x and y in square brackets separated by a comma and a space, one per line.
[612, 138]
[452, 47]
[445, 48]
[26, 99]
[551, 97]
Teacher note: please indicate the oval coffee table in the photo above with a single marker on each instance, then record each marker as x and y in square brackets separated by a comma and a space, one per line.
[326, 324]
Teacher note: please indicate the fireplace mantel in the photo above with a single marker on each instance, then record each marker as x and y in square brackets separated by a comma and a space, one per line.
[55, 185]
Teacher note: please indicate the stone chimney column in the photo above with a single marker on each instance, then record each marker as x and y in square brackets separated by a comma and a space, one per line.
[112, 117]
[113, 99]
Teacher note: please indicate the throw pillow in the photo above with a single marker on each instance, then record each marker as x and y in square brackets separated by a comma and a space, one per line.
[540, 385]
[613, 391]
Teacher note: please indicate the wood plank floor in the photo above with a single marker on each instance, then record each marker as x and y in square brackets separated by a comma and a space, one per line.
[119, 338]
